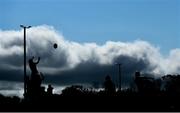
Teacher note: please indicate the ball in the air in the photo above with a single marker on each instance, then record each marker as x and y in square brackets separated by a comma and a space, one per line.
[55, 45]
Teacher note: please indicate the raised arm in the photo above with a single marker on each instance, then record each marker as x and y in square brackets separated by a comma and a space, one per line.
[37, 61]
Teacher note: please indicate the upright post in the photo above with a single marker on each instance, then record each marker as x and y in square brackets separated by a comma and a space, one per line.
[25, 85]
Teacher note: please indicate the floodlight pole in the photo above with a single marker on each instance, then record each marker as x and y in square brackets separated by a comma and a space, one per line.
[119, 69]
[25, 85]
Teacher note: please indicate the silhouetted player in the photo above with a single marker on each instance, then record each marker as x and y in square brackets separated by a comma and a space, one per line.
[33, 66]
[34, 86]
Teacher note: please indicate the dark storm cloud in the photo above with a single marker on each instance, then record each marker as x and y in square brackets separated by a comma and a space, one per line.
[74, 62]
[90, 72]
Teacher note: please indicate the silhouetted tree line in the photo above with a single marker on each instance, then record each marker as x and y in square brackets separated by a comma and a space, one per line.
[166, 86]
[5, 100]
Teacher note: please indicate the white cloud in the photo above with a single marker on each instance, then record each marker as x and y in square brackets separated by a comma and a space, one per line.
[70, 54]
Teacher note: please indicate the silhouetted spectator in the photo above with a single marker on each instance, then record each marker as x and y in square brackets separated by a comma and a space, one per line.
[50, 89]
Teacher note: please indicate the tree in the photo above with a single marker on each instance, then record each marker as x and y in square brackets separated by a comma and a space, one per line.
[109, 85]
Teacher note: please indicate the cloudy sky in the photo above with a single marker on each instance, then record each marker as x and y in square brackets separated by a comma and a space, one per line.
[92, 36]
